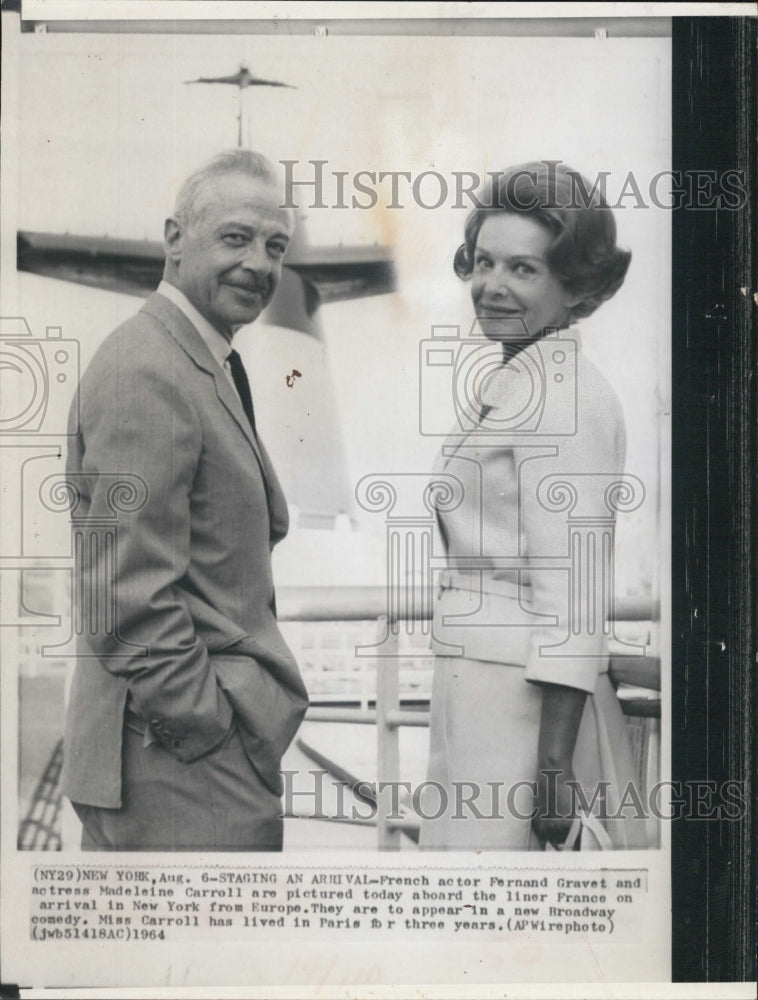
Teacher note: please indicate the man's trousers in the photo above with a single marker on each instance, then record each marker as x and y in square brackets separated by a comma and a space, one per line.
[215, 803]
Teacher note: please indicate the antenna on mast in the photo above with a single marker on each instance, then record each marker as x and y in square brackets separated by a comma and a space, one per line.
[242, 80]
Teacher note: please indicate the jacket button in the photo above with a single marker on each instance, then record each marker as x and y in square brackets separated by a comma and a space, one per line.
[176, 743]
[156, 723]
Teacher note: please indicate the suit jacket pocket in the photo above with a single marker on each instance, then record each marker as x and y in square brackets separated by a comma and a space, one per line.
[268, 714]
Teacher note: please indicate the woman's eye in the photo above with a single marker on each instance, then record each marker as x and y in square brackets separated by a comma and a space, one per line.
[482, 263]
[524, 269]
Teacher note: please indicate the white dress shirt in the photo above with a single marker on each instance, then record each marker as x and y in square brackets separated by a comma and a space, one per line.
[216, 342]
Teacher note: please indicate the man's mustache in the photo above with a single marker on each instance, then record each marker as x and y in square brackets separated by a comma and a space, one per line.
[261, 286]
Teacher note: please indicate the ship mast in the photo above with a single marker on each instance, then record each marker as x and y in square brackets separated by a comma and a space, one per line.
[242, 79]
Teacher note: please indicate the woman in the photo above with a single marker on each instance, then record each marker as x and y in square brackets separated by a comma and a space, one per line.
[522, 706]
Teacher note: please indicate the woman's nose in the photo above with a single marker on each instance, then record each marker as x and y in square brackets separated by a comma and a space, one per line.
[498, 282]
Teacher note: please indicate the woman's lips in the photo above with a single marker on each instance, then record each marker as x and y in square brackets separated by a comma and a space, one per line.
[487, 312]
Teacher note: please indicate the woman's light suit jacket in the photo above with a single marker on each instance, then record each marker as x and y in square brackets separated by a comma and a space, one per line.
[529, 547]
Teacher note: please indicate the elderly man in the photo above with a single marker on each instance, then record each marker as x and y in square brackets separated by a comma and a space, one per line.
[182, 707]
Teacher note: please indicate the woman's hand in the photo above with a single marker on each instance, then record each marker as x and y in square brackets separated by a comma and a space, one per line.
[554, 804]
[562, 709]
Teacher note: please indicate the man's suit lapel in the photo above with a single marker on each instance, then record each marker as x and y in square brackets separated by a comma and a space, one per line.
[184, 333]
[179, 327]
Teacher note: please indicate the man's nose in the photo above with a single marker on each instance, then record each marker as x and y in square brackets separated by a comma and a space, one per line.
[256, 258]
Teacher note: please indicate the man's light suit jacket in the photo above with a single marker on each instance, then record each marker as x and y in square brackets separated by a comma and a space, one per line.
[193, 642]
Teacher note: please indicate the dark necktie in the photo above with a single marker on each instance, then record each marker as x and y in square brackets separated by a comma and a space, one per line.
[243, 388]
[242, 385]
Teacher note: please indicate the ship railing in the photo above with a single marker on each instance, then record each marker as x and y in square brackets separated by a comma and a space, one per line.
[637, 677]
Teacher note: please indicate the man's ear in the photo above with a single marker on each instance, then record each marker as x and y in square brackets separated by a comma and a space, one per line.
[172, 240]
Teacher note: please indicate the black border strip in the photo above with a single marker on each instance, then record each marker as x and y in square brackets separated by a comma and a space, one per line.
[714, 454]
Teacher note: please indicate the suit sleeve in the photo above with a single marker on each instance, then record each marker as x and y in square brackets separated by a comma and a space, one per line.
[570, 647]
[136, 420]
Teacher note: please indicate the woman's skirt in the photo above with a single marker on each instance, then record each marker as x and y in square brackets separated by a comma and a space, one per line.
[485, 722]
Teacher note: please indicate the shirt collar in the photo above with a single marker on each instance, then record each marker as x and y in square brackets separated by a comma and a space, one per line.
[565, 333]
[216, 342]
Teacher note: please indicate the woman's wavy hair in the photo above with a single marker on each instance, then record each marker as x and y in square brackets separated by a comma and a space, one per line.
[583, 254]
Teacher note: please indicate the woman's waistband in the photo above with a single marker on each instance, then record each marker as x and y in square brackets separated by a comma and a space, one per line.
[480, 582]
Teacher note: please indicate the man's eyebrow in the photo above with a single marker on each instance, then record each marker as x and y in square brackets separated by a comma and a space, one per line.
[250, 230]
[231, 224]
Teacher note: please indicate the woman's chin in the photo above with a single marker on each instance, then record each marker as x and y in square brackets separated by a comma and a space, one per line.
[504, 330]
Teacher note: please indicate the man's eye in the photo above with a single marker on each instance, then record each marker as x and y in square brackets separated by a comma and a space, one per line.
[234, 239]
[277, 249]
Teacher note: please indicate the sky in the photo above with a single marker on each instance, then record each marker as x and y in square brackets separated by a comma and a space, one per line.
[109, 128]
